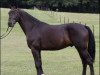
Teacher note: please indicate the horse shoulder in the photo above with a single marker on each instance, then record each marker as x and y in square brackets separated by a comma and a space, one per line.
[33, 39]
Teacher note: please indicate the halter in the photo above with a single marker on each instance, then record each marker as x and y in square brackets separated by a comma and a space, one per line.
[6, 34]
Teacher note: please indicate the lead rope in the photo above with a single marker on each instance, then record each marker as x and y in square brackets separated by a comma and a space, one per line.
[4, 35]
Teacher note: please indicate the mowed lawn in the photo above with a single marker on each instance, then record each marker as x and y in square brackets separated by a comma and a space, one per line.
[16, 57]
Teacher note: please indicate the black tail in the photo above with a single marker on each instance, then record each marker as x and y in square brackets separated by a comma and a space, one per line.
[91, 44]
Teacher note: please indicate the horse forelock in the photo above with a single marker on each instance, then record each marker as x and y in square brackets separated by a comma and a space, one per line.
[14, 11]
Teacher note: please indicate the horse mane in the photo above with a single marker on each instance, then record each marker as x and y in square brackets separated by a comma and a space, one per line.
[30, 17]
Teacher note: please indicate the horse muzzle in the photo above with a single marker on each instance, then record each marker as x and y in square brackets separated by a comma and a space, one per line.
[11, 24]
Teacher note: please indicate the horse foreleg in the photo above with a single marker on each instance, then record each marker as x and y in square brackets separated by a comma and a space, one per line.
[37, 59]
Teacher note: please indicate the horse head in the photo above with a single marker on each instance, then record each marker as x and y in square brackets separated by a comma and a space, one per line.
[14, 16]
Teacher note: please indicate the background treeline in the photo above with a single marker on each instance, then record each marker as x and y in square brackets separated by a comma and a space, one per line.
[56, 5]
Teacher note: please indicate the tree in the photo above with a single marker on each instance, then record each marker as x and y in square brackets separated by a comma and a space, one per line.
[62, 5]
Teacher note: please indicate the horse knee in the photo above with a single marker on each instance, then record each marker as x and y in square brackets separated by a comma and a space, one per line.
[38, 64]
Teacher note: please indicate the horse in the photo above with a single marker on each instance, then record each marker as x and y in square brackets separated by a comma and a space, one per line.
[41, 36]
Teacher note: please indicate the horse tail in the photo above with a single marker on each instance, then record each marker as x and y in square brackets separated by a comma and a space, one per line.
[91, 44]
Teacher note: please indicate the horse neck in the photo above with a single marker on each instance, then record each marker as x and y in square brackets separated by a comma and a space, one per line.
[27, 22]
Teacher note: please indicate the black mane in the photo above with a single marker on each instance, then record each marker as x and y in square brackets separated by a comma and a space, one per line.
[31, 18]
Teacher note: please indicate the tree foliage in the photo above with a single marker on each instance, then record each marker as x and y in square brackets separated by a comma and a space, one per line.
[61, 5]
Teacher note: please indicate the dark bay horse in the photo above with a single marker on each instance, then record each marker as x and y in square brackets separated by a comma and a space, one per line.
[42, 36]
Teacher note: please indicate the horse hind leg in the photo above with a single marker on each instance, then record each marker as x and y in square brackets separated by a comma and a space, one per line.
[84, 62]
[84, 66]
[85, 57]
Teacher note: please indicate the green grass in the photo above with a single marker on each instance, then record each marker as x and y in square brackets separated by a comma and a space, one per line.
[16, 57]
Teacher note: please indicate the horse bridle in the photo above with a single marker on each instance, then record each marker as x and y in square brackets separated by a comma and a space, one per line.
[6, 34]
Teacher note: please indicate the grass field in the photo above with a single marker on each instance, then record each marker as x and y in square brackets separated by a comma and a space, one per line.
[16, 57]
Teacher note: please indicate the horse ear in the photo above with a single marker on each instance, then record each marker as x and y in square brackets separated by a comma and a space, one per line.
[13, 7]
